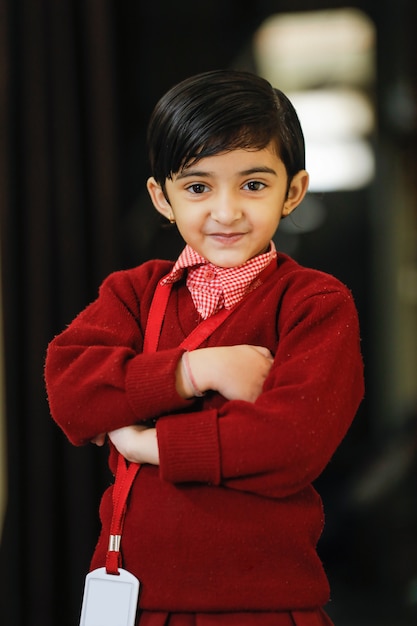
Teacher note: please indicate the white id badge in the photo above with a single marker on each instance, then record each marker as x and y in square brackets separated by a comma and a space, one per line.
[109, 600]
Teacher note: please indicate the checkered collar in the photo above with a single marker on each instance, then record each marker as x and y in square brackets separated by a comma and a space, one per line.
[213, 287]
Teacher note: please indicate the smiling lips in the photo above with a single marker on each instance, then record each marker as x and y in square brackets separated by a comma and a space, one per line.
[226, 237]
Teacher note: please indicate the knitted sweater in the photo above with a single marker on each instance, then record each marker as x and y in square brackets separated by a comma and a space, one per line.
[230, 520]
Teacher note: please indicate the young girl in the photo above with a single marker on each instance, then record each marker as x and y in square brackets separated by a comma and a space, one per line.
[232, 428]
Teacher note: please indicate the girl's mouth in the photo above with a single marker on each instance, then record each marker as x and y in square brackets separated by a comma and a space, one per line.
[226, 237]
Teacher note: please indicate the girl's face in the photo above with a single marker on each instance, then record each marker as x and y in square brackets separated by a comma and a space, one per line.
[228, 206]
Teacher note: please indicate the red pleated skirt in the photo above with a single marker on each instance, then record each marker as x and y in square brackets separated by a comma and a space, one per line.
[292, 618]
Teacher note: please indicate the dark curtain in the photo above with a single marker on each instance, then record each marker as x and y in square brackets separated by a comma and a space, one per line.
[60, 191]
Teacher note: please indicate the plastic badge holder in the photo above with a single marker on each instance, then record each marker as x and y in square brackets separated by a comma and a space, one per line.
[109, 600]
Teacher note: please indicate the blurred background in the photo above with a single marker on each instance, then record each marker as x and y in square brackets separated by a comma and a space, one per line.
[78, 81]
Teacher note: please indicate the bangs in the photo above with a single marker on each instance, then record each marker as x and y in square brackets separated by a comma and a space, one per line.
[246, 138]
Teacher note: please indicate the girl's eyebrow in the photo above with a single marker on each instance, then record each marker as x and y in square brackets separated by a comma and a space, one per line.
[191, 173]
[262, 169]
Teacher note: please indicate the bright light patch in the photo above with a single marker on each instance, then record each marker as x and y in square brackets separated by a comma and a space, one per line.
[303, 50]
[335, 125]
[339, 165]
[333, 113]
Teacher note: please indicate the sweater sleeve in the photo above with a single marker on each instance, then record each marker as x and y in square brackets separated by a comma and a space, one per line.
[96, 376]
[283, 441]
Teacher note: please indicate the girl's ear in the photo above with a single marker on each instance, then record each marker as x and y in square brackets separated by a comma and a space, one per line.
[296, 192]
[158, 198]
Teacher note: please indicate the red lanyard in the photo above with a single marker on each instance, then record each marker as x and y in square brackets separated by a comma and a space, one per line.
[156, 317]
[125, 474]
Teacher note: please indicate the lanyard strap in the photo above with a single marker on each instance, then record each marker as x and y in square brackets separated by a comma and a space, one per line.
[125, 474]
[156, 317]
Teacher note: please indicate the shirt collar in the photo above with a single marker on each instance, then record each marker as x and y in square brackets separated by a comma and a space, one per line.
[213, 287]
[188, 258]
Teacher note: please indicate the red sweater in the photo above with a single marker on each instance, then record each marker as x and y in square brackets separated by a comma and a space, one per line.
[230, 520]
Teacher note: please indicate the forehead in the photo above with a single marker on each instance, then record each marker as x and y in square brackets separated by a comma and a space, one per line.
[237, 161]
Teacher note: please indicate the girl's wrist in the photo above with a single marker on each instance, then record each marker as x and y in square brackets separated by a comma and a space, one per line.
[191, 384]
[151, 451]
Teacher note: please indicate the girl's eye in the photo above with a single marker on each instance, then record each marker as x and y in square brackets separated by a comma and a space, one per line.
[254, 185]
[197, 188]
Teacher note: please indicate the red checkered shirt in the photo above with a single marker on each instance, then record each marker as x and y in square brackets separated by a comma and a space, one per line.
[213, 288]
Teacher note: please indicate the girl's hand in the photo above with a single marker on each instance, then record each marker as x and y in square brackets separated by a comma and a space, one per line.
[99, 440]
[236, 372]
[138, 444]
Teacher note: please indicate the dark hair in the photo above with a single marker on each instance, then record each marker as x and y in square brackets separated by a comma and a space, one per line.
[219, 111]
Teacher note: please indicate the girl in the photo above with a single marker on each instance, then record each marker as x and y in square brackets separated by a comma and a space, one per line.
[231, 427]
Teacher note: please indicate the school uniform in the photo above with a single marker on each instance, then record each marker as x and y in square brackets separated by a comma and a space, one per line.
[225, 530]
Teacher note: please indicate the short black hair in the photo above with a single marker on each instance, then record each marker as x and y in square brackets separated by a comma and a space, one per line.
[219, 111]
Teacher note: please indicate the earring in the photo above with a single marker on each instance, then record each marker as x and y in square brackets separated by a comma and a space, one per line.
[171, 219]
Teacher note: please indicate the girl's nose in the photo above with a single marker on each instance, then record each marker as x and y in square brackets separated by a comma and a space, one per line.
[226, 208]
